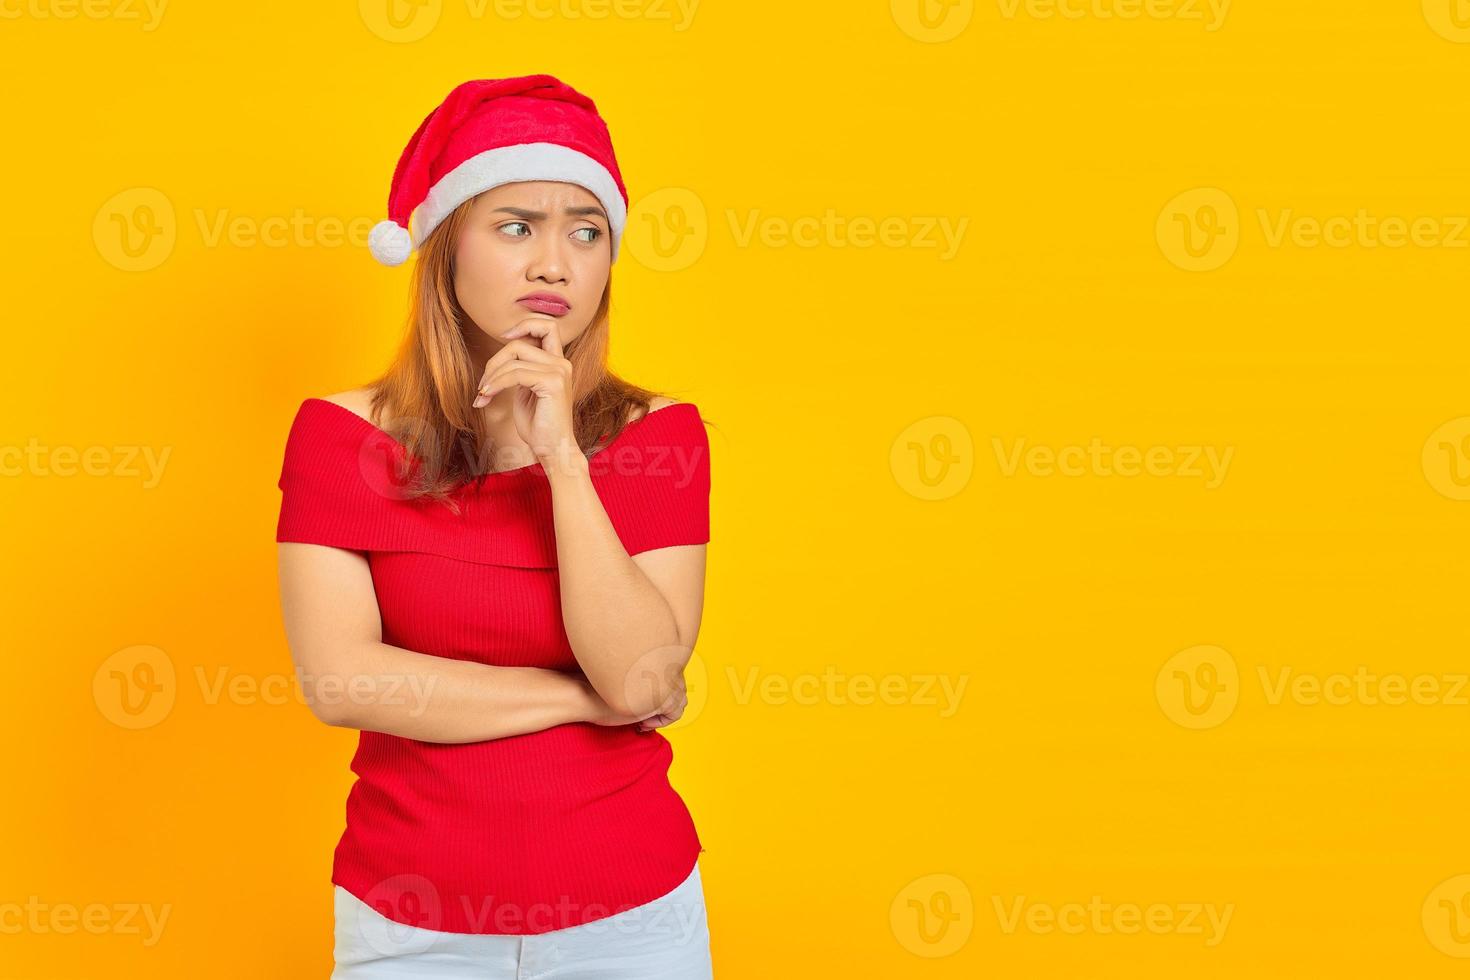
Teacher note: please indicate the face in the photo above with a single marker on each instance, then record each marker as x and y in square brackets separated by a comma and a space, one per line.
[542, 236]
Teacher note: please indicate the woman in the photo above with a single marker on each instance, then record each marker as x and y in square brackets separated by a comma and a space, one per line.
[492, 563]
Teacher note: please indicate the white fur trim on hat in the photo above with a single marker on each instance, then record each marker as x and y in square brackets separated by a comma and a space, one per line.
[511, 164]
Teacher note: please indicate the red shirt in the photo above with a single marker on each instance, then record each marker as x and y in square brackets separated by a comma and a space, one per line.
[532, 832]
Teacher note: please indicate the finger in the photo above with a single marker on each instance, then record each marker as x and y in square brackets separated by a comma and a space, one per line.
[542, 328]
[516, 350]
[530, 369]
[519, 374]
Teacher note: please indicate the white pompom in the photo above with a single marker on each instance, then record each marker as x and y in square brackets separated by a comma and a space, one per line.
[389, 243]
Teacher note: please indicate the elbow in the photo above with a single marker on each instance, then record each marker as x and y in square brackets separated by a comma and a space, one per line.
[324, 694]
[634, 695]
[334, 715]
[650, 684]
[634, 707]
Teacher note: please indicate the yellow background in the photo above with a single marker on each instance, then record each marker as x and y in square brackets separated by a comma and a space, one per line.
[869, 531]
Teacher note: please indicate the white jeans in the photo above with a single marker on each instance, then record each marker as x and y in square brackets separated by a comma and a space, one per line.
[665, 939]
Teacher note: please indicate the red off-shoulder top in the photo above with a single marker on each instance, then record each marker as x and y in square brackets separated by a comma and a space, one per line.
[532, 832]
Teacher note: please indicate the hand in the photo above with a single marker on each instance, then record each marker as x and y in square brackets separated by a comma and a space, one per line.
[671, 710]
[542, 377]
[598, 712]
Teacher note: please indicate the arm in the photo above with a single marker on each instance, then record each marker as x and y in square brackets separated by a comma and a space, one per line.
[352, 679]
[631, 620]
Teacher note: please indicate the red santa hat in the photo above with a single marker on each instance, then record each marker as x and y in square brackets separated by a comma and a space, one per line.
[497, 131]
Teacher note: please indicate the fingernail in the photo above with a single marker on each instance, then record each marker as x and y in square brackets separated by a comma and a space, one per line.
[481, 401]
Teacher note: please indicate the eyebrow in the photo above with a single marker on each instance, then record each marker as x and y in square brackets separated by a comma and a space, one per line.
[580, 212]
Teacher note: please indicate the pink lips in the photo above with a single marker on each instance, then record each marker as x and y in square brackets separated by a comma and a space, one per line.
[548, 303]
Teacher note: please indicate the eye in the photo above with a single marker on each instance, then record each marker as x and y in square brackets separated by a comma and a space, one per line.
[516, 224]
[596, 233]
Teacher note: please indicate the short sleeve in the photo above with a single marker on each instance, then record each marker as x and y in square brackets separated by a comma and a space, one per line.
[325, 496]
[654, 480]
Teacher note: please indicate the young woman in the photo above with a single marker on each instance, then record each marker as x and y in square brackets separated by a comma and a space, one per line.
[492, 564]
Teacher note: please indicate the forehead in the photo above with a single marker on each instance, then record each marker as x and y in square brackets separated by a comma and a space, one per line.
[539, 195]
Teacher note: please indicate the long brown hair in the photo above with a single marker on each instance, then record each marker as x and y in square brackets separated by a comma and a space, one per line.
[428, 388]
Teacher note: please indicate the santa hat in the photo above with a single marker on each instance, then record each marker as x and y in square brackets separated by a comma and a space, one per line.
[497, 131]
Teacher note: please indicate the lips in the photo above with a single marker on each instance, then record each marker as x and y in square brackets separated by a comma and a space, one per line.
[548, 303]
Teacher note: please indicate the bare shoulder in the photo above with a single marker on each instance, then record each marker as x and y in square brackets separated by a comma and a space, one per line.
[358, 400]
[655, 403]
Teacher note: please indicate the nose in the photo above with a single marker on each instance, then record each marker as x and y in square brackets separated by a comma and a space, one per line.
[549, 261]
